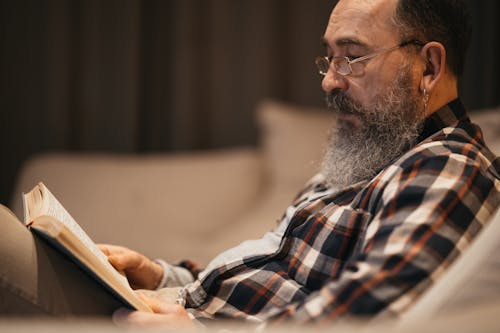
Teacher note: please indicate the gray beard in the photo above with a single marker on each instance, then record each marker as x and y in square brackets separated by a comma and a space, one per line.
[388, 128]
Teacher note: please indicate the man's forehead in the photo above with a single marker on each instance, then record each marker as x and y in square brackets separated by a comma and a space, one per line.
[362, 22]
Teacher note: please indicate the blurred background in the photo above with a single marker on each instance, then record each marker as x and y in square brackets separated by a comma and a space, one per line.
[132, 76]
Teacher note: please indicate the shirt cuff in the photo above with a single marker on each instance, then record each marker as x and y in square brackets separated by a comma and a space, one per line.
[173, 276]
[164, 277]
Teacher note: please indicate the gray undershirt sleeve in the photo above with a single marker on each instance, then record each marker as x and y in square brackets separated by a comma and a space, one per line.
[173, 276]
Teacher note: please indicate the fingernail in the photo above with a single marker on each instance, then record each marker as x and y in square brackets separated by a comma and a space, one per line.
[121, 315]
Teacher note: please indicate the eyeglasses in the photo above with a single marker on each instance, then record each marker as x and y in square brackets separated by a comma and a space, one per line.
[344, 65]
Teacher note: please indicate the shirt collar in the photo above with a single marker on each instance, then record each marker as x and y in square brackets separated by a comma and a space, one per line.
[449, 115]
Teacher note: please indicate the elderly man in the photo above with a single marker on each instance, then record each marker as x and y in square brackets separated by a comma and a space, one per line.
[407, 182]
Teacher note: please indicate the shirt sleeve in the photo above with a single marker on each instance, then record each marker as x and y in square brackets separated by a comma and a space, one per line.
[427, 214]
[177, 275]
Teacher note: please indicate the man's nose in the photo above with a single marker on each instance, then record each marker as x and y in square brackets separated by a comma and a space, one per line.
[333, 81]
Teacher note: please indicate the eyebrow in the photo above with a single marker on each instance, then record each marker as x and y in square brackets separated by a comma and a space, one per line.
[344, 42]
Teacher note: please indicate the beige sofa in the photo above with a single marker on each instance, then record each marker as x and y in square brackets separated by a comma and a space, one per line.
[193, 205]
[186, 205]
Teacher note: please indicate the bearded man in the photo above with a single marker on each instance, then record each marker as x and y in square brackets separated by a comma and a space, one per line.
[407, 182]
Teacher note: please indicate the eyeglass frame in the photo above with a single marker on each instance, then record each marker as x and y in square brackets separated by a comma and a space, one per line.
[327, 60]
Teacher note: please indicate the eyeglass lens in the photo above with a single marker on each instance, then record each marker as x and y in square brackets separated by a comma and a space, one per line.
[340, 64]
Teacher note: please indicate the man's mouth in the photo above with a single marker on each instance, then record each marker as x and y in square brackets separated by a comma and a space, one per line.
[350, 119]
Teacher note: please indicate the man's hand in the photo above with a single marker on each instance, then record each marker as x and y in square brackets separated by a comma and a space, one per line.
[141, 272]
[171, 316]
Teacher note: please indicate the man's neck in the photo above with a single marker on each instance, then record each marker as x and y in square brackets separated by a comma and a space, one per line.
[445, 92]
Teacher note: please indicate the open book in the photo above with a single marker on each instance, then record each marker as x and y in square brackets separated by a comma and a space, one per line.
[44, 215]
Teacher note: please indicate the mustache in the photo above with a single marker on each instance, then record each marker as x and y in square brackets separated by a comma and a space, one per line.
[339, 102]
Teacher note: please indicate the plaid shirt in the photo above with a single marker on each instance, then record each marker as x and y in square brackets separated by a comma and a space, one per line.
[369, 248]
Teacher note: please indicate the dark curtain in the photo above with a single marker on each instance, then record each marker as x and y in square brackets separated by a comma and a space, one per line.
[168, 75]
[480, 85]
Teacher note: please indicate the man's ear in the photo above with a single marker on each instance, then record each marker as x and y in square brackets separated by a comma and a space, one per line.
[434, 55]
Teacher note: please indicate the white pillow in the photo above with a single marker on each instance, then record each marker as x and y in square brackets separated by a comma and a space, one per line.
[293, 140]
[489, 121]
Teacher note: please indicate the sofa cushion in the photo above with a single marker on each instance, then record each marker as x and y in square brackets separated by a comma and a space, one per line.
[293, 140]
[489, 121]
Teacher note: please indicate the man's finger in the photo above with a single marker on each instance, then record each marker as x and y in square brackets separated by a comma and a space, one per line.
[159, 306]
[126, 318]
[121, 315]
[112, 248]
[104, 248]
[118, 262]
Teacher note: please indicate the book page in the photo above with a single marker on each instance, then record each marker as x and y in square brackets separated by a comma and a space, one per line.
[56, 210]
[32, 204]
